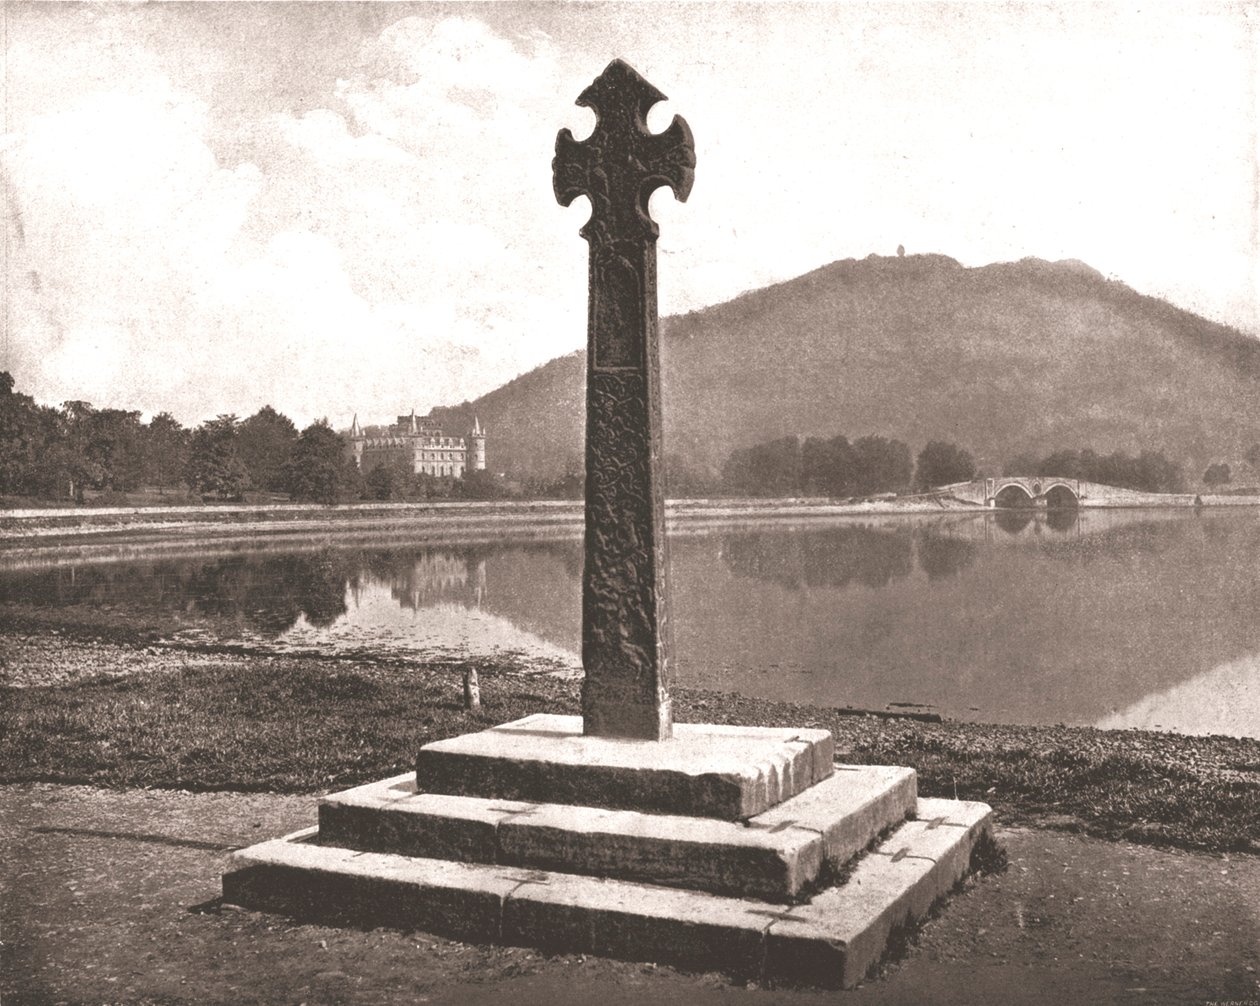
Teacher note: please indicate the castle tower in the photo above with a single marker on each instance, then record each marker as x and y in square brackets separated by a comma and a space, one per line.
[476, 448]
[356, 441]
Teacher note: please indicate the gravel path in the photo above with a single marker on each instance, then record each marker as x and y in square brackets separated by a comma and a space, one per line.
[111, 897]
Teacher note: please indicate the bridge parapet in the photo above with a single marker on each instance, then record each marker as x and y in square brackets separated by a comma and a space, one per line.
[1036, 489]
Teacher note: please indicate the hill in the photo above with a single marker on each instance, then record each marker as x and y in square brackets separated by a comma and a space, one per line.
[1004, 359]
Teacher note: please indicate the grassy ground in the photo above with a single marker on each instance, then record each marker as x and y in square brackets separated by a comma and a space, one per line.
[147, 717]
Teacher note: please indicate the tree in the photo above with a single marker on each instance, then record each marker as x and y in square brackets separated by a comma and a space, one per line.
[569, 486]
[1021, 464]
[1217, 474]
[389, 480]
[1150, 471]
[772, 468]
[213, 464]
[682, 480]
[66, 457]
[112, 440]
[941, 463]
[165, 451]
[265, 443]
[61, 473]
[22, 437]
[320, 468]
[827, 466]
[1156, 473]
[881, 465]
[480, 485]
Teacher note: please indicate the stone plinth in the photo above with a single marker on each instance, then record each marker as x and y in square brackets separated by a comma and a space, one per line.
[833, 940]
[752, 893]
[702, 771]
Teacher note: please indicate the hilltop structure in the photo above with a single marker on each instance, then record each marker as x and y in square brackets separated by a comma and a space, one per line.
[419, 444]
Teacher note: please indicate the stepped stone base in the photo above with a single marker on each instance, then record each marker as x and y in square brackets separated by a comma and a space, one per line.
[702, 771]
[756, 898]
[774, 855]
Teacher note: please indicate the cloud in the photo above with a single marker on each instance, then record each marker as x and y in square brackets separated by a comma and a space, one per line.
[127, 216]
[376, 254]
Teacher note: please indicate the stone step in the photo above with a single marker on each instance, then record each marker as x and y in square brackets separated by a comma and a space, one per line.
[833, 940]
[727, 772]
[774, 855]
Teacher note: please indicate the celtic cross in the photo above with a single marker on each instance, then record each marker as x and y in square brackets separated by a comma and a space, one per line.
[625, 600]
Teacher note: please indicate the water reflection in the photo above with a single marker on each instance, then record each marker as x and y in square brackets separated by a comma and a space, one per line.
[1008, 616]
[833, 558]
[1223, 700]
[869, 556]
[1062, 519]
[1013, 521]
[437, 577]
[267, 595]
[941, 557]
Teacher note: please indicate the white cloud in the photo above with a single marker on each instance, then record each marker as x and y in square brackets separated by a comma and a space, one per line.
[126, 217]
[349, 269]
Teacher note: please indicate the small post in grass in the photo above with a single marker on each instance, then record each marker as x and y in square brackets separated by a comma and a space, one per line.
[472, 691]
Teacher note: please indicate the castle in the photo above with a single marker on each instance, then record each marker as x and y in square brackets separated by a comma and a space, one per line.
[419, 445]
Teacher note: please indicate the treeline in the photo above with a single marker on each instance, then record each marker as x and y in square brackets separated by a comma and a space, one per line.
[1150, 471]
[873, 465]
[63, 453]
[77, 450]
[814, 466]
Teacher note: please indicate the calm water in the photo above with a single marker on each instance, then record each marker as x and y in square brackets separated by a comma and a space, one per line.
[1134, 618]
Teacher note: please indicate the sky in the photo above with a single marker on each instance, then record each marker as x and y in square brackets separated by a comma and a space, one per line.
[340, 208]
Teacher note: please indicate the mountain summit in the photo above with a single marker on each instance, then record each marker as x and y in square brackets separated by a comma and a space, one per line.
[1027, 356]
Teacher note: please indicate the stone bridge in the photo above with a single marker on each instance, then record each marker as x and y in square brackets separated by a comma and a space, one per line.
[1048, 491]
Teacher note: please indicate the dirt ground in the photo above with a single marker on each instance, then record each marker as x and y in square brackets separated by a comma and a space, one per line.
[111, 897]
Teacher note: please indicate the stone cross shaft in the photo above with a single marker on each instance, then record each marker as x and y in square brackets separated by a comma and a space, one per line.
[625, 600]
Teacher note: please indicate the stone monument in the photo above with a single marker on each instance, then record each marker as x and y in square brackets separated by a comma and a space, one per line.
[619, 832]
[625, 596]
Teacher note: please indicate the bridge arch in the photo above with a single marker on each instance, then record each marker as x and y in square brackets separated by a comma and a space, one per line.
[1013, 495]
[1061, 496]
[1033, 491]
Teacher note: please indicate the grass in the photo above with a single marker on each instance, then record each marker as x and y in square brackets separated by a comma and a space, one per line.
[243, 724]
[306, 725]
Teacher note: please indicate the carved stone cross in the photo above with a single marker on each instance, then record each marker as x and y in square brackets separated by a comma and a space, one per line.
[625, 601]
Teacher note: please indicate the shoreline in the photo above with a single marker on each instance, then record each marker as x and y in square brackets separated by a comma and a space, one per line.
[103, 710]
[473, 520]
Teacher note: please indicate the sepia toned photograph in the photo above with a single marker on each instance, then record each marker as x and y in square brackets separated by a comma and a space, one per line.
[567, 502]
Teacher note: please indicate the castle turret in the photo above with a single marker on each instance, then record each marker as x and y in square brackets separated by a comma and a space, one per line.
[476, 448]
[356, 441]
